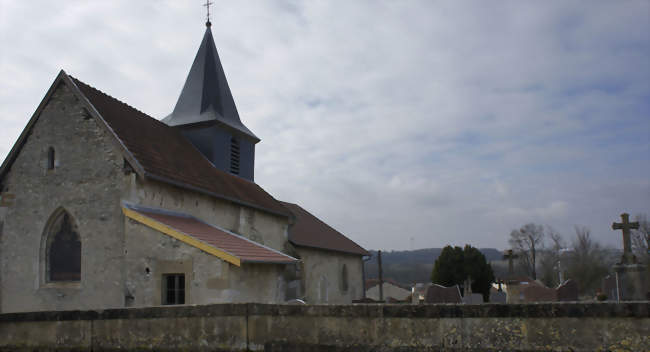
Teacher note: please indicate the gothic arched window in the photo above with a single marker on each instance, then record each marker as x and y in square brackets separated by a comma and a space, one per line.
[63, 251]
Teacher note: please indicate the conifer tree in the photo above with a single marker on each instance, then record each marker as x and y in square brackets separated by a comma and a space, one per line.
[455, 265]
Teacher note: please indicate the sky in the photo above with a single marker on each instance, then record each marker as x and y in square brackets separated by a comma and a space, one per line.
[402, 124]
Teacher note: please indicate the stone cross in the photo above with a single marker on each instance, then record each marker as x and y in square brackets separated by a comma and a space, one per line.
[510, 256]
[626, 226]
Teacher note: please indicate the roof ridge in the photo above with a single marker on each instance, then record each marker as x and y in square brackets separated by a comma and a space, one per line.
[115, 99]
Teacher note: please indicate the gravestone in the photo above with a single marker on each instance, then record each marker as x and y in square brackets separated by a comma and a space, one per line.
[538, 293]
[630, 275]
[470, 297]
[608, 287]
[441, 294]
[497, 295]
[567, 291]
[473, 298]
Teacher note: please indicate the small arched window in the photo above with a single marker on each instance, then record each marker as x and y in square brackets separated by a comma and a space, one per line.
[50, 158]
[234, 156]
[63, 249]
[344, 278]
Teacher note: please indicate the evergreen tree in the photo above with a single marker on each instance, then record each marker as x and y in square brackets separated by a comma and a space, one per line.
[455, 265]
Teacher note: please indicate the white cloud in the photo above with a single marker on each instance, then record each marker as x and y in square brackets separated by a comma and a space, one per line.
[450, 122]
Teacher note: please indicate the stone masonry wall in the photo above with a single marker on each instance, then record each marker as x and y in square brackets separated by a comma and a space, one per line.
[261, 227]
[87, 181]
[322, 271]
[208, 279]
[260, 327]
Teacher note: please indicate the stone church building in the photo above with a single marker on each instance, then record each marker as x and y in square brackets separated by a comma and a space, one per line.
[104, 206]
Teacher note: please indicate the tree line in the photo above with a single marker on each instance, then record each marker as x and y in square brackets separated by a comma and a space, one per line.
[545, 254]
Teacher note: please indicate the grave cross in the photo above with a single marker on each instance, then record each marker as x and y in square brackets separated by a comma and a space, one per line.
[510, 256]
[626, 226]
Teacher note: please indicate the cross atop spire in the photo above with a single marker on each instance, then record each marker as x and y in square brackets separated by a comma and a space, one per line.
[207, 6]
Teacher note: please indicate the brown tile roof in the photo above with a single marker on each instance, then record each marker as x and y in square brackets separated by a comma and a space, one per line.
[165, 155]
[309, 231]
[245, 250]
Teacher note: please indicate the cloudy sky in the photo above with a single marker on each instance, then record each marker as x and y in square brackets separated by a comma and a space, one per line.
[403, 124]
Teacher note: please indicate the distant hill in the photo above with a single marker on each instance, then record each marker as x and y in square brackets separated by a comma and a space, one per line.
[408, 267]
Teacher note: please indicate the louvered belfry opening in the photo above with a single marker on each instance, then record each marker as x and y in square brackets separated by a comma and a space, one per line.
[234, 156]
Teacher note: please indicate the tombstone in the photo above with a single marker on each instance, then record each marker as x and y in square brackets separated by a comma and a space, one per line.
[364, 300]
[441, 294]
[296, 301]
[608, 287]
[538, 293]
[630, 275]
[497, 295]
[473, 298]
[419, 293]
[567, 291]
[470, 297]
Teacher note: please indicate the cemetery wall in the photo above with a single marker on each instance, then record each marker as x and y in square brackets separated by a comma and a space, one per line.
[372, 327]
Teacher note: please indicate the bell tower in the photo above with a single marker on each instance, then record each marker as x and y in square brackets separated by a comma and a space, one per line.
[206, 115]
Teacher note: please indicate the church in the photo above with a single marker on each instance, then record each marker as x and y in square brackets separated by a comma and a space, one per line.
[103, 206]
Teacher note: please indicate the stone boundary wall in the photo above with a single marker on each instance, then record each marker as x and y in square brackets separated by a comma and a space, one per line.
[359, 327]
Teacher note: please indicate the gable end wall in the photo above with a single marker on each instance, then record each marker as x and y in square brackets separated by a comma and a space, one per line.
[87, 182]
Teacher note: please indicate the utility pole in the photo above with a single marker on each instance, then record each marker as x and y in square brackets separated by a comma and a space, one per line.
[381, 277]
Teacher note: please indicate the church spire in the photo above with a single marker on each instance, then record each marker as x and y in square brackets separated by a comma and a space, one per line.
[206, 114]
[206, 96]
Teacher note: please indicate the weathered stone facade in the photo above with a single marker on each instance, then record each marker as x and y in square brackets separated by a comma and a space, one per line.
[258, 226]
[208, 279]
[122, 261]
[324, 278]
[87, 181]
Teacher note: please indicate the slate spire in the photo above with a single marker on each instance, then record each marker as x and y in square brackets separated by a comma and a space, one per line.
[206, 95]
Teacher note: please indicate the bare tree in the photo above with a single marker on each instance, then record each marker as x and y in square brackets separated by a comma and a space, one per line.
[588, 262]
[549, 259]
[527, 241]
[641, 239]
